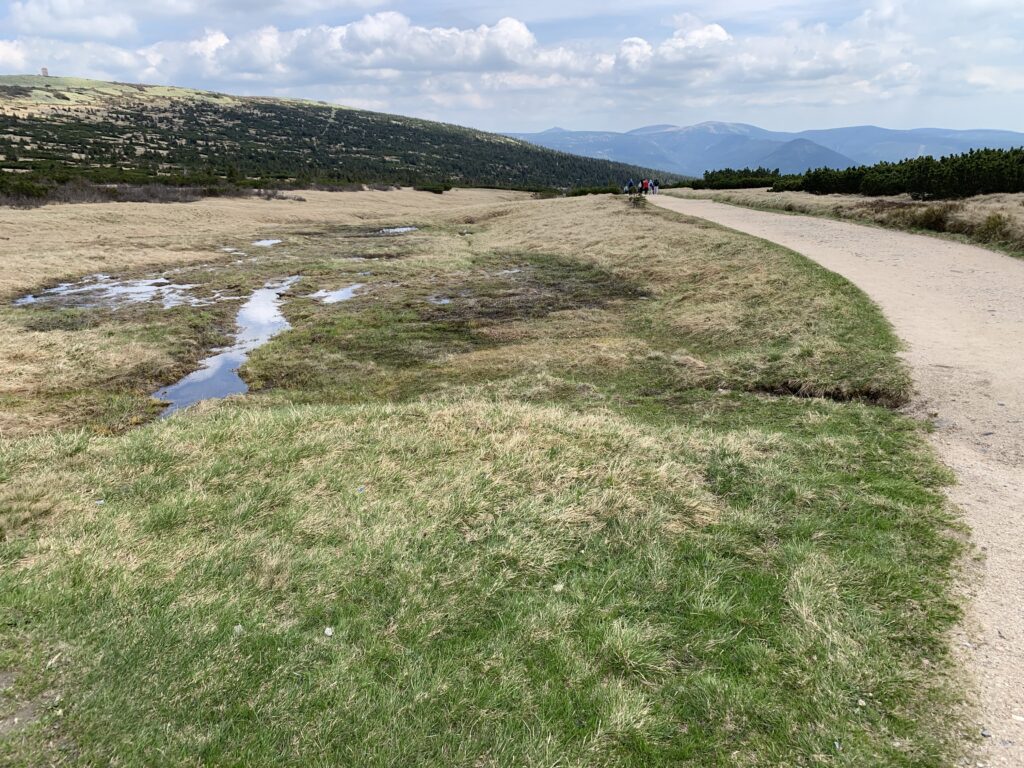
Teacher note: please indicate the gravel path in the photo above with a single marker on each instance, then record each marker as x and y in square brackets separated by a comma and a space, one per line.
[960, 311]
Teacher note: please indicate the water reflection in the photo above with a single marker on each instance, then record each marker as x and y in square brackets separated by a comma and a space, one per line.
[259, 320]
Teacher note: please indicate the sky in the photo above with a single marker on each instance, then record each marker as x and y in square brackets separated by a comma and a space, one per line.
[576, 64]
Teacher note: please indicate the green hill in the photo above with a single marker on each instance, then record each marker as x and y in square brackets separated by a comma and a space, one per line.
[58, 129]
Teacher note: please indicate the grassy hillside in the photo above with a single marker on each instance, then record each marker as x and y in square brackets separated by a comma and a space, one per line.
[58, 129]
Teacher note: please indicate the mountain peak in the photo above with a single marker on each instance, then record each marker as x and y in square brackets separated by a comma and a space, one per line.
[661, 128]
[712, 145]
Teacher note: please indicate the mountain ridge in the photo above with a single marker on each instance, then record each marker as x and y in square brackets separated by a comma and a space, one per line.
[54, 130]
[713, 145]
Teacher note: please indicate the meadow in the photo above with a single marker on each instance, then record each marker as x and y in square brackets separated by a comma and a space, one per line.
[568, 482]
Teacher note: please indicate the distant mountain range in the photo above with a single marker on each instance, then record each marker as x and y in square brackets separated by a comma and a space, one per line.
[691, 150]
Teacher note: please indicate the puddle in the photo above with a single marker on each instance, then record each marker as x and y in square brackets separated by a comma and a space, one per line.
[439, 300]
[104, 291]
[259, 320]
[334, 297]
[398, 230]
[267, 243]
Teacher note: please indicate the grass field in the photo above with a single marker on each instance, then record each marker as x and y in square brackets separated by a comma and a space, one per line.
[993, 221]
[632, 496]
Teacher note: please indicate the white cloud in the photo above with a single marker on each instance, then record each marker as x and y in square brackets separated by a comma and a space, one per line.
[1000, 79]
[12, 55]
[71, 18]
[635, 54]
[685, 44]
[871, 53]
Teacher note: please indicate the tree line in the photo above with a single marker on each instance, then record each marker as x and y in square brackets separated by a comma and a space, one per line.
[978, 172]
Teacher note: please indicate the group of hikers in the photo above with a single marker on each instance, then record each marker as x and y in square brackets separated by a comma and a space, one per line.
[645, 187]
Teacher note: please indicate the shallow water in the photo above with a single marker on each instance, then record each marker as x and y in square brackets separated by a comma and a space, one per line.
[333, 297]
[439, 300]
[267, 243]
[104, 291]
[259, 320]
[398, 230]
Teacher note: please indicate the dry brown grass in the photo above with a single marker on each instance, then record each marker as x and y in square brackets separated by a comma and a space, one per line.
[39, 368]
[586, 261]
[994, 220]
[55, 242]
[43, 246]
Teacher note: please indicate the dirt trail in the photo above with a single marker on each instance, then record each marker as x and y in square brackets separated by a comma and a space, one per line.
[960, 310]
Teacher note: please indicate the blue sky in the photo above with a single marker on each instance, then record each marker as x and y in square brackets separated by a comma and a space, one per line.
[533, 64]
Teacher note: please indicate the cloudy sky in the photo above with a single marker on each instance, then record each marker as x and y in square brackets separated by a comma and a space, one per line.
[579, 64]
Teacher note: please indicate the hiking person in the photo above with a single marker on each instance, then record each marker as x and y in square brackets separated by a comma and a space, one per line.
[657, 186]
[631, 188]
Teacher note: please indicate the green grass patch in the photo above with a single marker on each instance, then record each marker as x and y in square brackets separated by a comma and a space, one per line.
[570, 517]
[505, 584]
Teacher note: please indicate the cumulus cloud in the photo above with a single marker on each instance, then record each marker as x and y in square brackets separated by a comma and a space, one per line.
[635, 54]
[874, 52]
[12, 55]
[382, 42]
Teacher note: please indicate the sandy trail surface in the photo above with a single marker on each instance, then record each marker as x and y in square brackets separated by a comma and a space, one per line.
[960, 311]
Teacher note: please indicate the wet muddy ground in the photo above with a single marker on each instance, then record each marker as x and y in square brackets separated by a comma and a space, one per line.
[287, 317]
[212, 340]
[259, 320]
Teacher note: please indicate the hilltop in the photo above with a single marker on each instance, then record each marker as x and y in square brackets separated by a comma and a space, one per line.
[692, 150]
[57, 129]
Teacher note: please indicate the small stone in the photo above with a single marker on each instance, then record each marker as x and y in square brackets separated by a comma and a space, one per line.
[559, 587]
[100, 502]
[986, 733]
[329, 631]
[861, 703]
[239, 629]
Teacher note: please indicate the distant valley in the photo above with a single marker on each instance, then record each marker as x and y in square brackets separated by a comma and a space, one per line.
[692, 150]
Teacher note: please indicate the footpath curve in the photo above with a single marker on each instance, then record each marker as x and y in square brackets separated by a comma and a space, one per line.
[960, 311]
